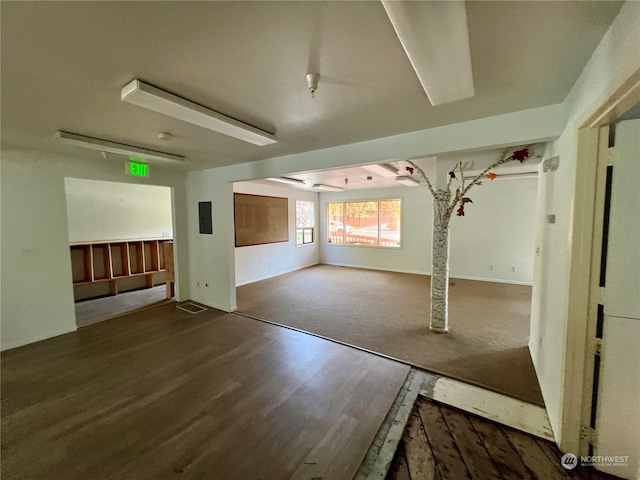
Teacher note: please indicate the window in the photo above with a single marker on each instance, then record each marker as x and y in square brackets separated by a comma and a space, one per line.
[374, 223]
[304, 222]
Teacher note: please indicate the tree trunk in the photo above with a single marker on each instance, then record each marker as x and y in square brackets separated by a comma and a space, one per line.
[440, 264]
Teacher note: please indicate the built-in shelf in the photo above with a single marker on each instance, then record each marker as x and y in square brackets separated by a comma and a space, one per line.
[117, 262]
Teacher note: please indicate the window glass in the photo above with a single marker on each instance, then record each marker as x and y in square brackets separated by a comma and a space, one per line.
[373, 223]
[362, 223]
[390, 215]
[335, 222]
[305, 222]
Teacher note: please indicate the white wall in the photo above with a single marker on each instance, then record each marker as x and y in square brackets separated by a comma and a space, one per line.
[257, 262]
[498, 230]
[37, 292]
[616, 58]
[212, 257]
[98, 211]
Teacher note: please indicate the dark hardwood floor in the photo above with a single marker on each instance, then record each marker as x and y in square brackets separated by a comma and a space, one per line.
[100, 309]
[445, 443]
[166, 394]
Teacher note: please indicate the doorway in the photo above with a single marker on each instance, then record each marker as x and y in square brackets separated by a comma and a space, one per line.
[611, 409]
[586, 350]
[121, 244]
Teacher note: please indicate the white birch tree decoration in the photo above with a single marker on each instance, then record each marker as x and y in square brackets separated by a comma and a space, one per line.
[444, 202]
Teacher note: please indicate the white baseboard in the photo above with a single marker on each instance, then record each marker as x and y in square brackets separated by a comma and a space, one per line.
[420, 272]
[253, 280]
[207, 303]
[494, 280]
[364, 267]
[37, 338]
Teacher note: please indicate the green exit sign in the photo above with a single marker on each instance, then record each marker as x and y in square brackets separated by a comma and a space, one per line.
[136, 169]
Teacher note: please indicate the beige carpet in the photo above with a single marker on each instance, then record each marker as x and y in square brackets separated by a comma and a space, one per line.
[388, 313]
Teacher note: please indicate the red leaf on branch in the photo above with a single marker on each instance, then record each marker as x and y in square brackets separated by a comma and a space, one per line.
[460, 211]
[520, 155]
[410, 170]
[491, 175]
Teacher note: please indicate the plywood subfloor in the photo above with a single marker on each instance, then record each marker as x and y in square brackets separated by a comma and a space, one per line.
[443, 443]
[99, 309]
[163, 394]
[388, 312]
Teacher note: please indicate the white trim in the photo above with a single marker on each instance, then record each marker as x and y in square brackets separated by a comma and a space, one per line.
[398, 270]
[494, 406]
[277, 274]
[420, 272]
[575, 391]
[38, 338]
[492, 280]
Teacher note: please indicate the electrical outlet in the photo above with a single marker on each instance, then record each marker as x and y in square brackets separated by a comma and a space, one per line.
[491, 267]
[206, 284]
[197, 284]
[513, 268]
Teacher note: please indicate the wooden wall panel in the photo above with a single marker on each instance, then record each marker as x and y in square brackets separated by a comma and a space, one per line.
[260, 219]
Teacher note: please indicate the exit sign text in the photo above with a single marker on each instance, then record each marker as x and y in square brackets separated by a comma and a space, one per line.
[136, 169]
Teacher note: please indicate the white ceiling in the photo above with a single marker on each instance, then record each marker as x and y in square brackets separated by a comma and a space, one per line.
[359, 177]
[64, 63]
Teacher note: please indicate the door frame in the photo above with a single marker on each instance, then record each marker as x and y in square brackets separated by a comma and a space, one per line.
[585, 252]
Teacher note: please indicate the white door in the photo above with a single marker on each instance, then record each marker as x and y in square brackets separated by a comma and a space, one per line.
[618, 405]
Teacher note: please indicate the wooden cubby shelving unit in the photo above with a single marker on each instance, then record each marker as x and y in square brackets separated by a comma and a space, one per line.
[113, 261]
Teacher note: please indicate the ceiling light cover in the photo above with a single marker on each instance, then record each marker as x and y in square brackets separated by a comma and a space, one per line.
[115, 147]
[408, 181]
[290, 181]
[435, 37]
[382, 169]
[147, 96]
[330, 188]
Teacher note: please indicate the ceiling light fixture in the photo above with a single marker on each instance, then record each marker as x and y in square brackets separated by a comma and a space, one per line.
[291, 181]
[312, 83]
[153, 98]
[408, 181]
[435, 37]
[330, 188]
[382, 169]
[103, 146]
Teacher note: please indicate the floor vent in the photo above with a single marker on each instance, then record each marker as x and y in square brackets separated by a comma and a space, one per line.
[191, 308]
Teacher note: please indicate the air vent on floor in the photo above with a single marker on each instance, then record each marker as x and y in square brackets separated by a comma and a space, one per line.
[191, 308]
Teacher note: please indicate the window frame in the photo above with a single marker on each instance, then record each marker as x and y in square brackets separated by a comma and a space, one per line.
[305, 229]
[379, 224]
